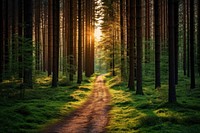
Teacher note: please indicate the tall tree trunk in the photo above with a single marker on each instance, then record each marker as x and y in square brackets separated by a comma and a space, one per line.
[44, 37]
[50, 35]
[128, 25]
[80, 68]
[147, 32]
[21, 36]
[198, 45]
[184, 37]
[131, 37]
[66, 44]
[92, 37]
[75, 23]
[37, 34]
[6, 45]
[14, 38]
[157, 43]
[1, 41]
[28, 53]
[172, 89]
[56, 27]
[139, 46]
[87, 45]
[188, 38]
[192, 44]
[123, 74]
[71, 43]
[176, 6]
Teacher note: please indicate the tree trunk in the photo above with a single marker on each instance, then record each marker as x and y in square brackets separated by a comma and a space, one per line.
[157, 43]
[176, 10]
[184, 37]
[1, 41]
[147, 32]
[198, 45]
[92, 37]
[71, 43]
[14, 38]
[56, 27]
[28, 55]
[172, 89]
[87, 45]
[37, 34]
[188, 38]
[123, 74]
[6, 44]
[79, 43]
[192, 85]
[139, 46]
[21, 36]
[131, 37]
[50, 35]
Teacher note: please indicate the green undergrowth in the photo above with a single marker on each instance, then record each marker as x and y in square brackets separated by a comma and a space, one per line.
[42, 105]
[151, 113]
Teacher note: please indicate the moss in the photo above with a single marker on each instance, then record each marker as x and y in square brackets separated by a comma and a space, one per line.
[41, 106]
[151, 112]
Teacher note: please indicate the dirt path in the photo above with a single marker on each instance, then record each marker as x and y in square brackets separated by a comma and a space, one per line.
[92, 117]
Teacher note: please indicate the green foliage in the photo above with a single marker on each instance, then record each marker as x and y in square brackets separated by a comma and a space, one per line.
[151, 112]
[41, 106]
[17, 48]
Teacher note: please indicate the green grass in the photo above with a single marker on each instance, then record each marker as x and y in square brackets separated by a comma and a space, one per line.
[151, 113]
[41, 106]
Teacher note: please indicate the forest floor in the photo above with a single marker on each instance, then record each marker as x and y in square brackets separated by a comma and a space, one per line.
[90, 117]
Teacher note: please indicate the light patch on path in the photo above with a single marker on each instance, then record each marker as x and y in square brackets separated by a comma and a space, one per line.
[92, 117]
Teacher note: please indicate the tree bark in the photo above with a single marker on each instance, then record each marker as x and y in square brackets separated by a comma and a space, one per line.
[50, 35]
[71, 43]
[147, 31]
[123, 74]
[184, 37]
[176, 21]
[172, 89]
[131, 38]
[79, 43]
[139, 46]
[28, 55]
[198, 45]
[1, 41]
[87, 45]
[157, 43]
[56, 29]
[37, 34]
[21, 36]
[192, 85]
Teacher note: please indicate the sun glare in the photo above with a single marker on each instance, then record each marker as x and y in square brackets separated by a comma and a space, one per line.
[98, 34]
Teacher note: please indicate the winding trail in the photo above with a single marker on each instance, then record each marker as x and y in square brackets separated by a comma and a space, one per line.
[92, 117]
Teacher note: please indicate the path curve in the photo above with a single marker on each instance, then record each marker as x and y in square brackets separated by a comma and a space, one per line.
[92, 117]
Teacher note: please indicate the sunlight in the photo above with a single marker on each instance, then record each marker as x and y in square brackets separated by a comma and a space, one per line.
[97, 34]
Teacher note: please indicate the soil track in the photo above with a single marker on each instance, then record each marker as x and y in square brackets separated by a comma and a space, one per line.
[92, 117]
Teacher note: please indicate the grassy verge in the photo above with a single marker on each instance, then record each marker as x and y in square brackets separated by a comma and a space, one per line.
[151, 113]
[41, 106]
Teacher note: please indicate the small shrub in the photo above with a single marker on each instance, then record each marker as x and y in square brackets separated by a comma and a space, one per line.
[23, 110]
[149, 121]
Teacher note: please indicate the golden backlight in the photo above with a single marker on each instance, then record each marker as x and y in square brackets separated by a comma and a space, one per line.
[97, 34]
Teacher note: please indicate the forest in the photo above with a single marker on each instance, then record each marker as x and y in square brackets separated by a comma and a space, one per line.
[96, 66]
